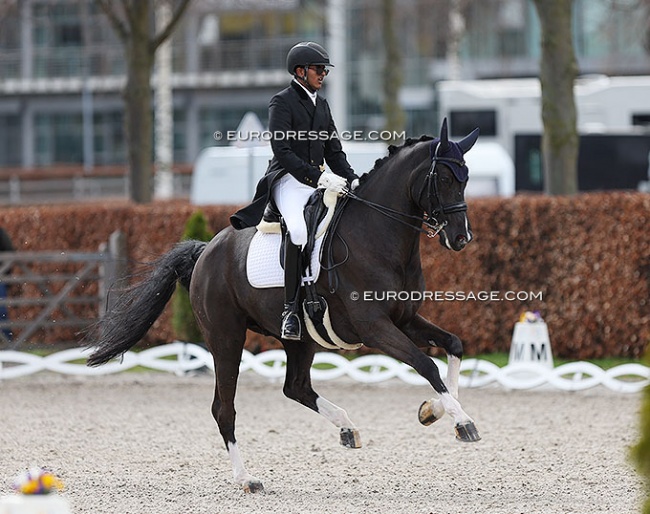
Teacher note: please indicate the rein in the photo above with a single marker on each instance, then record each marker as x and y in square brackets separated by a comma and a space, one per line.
[432, 224]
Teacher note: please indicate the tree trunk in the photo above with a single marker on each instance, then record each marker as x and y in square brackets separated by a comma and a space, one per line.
[392, 72]
[139, 117]
[558, 70]
[131, 21]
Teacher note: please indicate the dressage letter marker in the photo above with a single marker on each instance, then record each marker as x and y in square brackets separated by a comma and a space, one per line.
[531, 344]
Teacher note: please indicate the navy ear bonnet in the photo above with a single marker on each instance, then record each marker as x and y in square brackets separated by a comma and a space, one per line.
[451, 154]
[452, 157]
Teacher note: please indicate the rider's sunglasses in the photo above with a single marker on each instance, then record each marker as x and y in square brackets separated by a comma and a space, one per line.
[319, 69]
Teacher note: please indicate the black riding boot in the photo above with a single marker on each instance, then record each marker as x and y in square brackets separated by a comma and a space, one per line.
[292, 283]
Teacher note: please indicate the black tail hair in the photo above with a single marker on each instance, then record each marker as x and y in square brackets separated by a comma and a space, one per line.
[140, 305]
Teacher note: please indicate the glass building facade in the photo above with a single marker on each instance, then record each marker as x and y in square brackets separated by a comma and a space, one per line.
[60, 61]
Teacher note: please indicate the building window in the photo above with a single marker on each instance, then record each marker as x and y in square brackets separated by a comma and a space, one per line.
[108, 141]
[224, 120]
[58, 139]
[57, 38]
[10, 140]
[641, 120]
[463, 122]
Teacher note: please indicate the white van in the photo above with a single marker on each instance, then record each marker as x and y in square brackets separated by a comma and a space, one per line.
[228, 175]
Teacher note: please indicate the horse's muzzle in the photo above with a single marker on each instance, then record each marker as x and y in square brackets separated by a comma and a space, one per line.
[461, 241]
[456, 244]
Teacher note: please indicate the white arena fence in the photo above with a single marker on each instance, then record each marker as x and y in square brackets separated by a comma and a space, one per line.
[181, 358]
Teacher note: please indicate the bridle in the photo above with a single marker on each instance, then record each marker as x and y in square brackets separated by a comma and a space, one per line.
[438, 211]
[435, 217]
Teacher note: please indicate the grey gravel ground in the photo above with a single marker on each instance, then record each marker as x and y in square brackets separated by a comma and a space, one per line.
[146, 443]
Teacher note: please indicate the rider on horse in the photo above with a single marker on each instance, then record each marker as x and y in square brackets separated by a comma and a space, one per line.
[304, 137]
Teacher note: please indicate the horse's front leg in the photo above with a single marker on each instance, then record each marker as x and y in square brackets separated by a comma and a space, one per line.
[396, 343]
[297, 386]
[424, 333]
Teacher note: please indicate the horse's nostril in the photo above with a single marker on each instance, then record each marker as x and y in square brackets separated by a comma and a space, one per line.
[460, 238]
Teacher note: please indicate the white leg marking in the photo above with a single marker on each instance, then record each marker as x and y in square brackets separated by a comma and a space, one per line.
[242, 477]
[333, 413]
[453, 372]
[453, 408]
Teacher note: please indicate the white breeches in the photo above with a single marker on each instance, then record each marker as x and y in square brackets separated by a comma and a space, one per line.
[291, 196]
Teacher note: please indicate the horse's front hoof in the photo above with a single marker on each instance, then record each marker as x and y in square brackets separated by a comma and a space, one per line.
[467, 432]
[253, 486]
[430, 411]
[350, 438]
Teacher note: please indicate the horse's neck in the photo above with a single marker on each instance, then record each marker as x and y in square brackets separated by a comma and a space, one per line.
[391, 188]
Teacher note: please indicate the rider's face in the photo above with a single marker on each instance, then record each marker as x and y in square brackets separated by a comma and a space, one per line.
[315, 76]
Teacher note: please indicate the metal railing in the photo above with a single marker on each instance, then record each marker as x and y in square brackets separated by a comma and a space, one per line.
[54, 295]
[23, 189]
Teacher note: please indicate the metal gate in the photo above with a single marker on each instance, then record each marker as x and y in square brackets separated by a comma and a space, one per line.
[53, 296]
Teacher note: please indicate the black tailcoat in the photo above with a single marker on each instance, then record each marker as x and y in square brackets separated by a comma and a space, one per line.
[303, 137]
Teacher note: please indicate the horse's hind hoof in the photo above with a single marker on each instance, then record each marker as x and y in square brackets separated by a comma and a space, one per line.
[350, 438]
[467, 432]
[253, 486]
[430, 411]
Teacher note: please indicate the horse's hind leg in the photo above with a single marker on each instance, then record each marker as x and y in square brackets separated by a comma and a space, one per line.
[297, 386]
[227, 358]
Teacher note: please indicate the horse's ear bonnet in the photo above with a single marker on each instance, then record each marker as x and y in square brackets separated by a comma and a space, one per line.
[452, 153]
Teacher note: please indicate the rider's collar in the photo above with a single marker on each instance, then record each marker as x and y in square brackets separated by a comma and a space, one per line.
[312, 96]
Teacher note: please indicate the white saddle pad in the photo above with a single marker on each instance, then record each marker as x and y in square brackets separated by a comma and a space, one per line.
[263, 262]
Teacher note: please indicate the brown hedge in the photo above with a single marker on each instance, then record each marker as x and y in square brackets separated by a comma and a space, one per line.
[588, 255]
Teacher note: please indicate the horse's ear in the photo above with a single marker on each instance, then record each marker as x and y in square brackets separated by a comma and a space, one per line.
[468, 141]
[444, 137]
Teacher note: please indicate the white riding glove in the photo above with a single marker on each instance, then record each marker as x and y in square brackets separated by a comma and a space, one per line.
[332, 182]
[355, 184]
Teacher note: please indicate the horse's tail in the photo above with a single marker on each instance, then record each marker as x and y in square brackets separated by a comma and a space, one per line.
[140, 305]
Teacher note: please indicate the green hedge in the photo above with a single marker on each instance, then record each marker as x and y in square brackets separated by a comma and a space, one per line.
[587, 255]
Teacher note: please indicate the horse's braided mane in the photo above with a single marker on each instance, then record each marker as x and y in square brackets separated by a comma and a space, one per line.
[394, 150]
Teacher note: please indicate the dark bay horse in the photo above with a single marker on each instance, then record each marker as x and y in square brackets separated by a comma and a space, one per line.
[420, 182]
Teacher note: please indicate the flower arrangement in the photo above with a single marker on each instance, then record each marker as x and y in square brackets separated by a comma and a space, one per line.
[530, 317]
[37, 481]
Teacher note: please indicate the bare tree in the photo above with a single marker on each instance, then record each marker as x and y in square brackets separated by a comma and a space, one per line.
[558, 71]
[457, 29]
[392, 70]
[132, 22]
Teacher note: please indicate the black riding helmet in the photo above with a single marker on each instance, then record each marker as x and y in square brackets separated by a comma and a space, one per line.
[307, 53]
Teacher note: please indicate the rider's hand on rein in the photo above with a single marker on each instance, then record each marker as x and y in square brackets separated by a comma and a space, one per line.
[332, 182]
